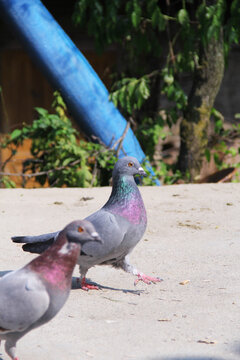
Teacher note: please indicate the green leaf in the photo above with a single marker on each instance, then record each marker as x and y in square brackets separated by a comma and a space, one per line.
[7, 182]
[158, 19]
[114, 98]
[143, 89]
[168, 79]
[232, 151]
[170, 91]
[132, 87]
[218, 126]
[41, 111]
[139, 102]
[15, 134]
[208, 155]
[217, 159]
[151, 5]
[135, 17]
[182, 17]
[67, 161]
[121, 96]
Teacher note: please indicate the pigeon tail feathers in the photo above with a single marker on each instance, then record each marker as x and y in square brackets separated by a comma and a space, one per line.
[37, 248]
[35, 239]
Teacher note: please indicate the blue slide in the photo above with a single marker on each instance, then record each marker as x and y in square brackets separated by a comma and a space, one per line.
[69, 72]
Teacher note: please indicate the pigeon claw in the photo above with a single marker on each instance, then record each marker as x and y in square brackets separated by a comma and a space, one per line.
[86, 286]
[147, 279]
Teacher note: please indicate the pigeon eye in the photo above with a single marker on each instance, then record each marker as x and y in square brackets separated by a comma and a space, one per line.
[80, 229]
[130, 164]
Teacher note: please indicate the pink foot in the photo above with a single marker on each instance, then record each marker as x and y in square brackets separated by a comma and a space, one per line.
[85, 286]
[146, 279]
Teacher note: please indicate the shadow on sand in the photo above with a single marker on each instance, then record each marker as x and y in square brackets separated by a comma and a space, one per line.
[76, 285]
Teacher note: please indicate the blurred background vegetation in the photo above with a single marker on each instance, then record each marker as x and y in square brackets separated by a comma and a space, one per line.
[168, 60]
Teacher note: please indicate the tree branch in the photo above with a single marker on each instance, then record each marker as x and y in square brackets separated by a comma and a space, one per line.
[41, 172]
[122, 138]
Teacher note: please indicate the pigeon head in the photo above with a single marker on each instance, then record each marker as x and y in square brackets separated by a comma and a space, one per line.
[128, 165]
[125, 199]
[56, 264]
[81, 231]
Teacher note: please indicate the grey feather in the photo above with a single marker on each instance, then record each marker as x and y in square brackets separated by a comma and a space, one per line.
[21, 290]
[35, 239]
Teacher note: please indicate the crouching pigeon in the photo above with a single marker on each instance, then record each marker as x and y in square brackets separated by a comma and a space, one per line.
[121, 223]
[33, 295]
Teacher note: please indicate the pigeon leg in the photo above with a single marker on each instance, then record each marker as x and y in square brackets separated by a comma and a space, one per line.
[82, 279]
[10, 348]
[86, 286]
[126, 266]
[146, 279]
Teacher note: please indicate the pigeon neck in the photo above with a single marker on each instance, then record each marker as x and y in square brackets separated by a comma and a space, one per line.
[126, 201]
[56, 264]
[123, 187]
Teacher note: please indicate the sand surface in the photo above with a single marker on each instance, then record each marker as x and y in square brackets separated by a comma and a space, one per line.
[192, 242]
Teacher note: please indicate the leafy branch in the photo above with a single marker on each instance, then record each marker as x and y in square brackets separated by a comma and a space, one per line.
[60, 155]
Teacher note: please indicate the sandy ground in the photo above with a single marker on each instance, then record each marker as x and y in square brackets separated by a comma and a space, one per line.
[193, 238]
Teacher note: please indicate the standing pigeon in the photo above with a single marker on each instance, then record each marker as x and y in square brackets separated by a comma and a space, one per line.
[33, 295]
[121, 223]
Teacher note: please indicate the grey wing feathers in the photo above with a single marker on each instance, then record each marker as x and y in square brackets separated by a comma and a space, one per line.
[110, 231]
[23, 300]
[35, 239]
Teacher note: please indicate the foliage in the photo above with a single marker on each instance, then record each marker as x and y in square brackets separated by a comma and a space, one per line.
[60, 155]
[130, 93]
[222, 144]
[167, 173]
[150, 82]
[6, 182]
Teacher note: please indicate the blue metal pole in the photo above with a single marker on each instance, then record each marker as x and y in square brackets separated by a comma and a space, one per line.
[68, 70]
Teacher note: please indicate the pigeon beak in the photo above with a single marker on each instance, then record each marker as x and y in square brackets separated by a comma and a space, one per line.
[96, 237]
[141, 171]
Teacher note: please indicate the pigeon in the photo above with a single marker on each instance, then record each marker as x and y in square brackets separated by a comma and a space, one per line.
[121, 223]
[34, 294]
